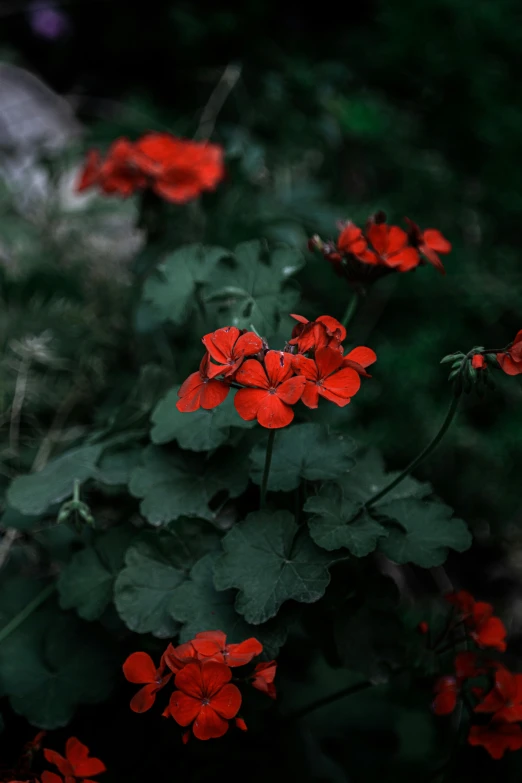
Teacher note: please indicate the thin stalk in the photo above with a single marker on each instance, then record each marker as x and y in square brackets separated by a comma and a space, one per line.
[266, 472]
[450, 415]
[13, 624]
[350, 311]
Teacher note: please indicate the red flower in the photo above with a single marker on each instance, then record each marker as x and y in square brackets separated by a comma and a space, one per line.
[478, 361]
[360, 358]
[212, 646]
[485, 629]
[117, 174]
[326, 376]
[352, 241]
[205, 698]
[200, 390]
[430, 243]
[273, 390]
[505, 699]
[496, 737]
[446, 695]
[263, 678]
[311, 335]
[178, 657]
[511, 360]
[139, 668]
[77, 763]
[228, 347]
[391, 244]
[180, 169]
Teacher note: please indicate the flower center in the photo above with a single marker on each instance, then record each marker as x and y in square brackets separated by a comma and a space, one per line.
[205, 702]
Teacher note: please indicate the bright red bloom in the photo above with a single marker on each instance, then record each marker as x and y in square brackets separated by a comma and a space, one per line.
[178, 657]
[391, 245]
[311, 335]
[496, 737]
[485, 629]
[352, 241]
[326, 376]
[117, 174]
[273, 390]
[360, 358]
[76, 763]
[478, 361]
[212, 646]
[140, 669]
[505, 699]
[228, 347]
[263, 678]
[200, 390]
[430, 243]
[180, 169]
[511, 360]
[205, 698]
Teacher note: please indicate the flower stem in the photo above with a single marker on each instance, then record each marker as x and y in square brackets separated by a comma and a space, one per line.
[450, 415]
[266, 472]
[13, 624]
[350, 311]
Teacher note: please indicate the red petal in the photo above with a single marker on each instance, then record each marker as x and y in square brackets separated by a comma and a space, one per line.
[333, 326]
[213, 393]
[278, 366]
[306, 367]
[436, 241]
[496, 738]
[240, 724]
[78, 755]
[291, 390]
[50, 777]
[252, 373]
[508, 365]
[273, 413]
[220, 343]
[310, 396]
[214, 676]
[248, 344]
[333, 397]
[431, 256]
[139, 668]
[405, 260]
[216, 636]
[378, 236]
[397, 239]
[184, 709]
[189, 680]
[248, 401]
[350, 235]
[300, 318]
[144, 699]
[344, 383]
[227, 701]
[54, 758]
[239, 654]
[491, 634]
[190, 393]
[327, 361]
[209, 725]
[362, 355]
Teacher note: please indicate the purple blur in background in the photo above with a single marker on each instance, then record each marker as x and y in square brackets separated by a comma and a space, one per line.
[47, 21]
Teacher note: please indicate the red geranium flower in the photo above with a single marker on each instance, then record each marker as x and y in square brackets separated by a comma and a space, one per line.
[430, 243]
[180, 169]
[311, 335]
[178, 657]
[118, 174]
[140, 669]
[391, 245]
[205, 698]
[478, 361]
[447, 688]
[485, 629]
[511, 360]
[496, 737]
[352, 241]
[212, 645]
[263, 678]
[228, 347]
[76, 764]
[273, 390]
[505, 699]
[200, 390]
[326, 376]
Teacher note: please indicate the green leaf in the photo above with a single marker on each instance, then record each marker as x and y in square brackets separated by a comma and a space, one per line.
[35, 493]
[87, 581]
[201, 430]
[114, 469]
[179, 485]
[155, 566]
[270, 560]
[23, 522]
[52, 662]
[303, 451]
[251, 289]
[423, 532]
[369, 476]
[337, 521]
[171, 289]
[200, 607]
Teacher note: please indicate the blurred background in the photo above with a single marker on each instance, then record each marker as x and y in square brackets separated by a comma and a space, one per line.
[326, 113]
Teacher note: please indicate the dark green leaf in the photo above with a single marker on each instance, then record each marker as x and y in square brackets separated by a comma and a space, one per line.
[369, 476]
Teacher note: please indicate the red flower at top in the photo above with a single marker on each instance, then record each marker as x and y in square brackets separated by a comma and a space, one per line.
[352, 241]
[496, 737]
[76, 763]
[272, 390]
[140, 669]
[212, 646]
[391, 245]
[430, 243]
[485, 629]
[200, 390]
[178, 170]
[505, 700]
[511, 360]
[228, 347]
[205, 698]
[263, 678]
[312, 335]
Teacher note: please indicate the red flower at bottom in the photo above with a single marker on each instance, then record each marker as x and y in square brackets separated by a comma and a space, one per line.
[205, 698]
[505, 700]
[496, 737]
[201, 391]
[140, 669]
[263, 678]
[76, 764]
[212, 646]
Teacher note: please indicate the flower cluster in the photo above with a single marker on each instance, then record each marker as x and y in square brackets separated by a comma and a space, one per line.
[270, 382]
[486, 686]
[177, 170]
[473, 369]
[75, 767]
[204, 695]
[362, 256]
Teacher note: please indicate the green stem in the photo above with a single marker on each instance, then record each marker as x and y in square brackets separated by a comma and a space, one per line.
[350, 311]
[315, 705]
[450, 415]
[26, 612]
[266, 472]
